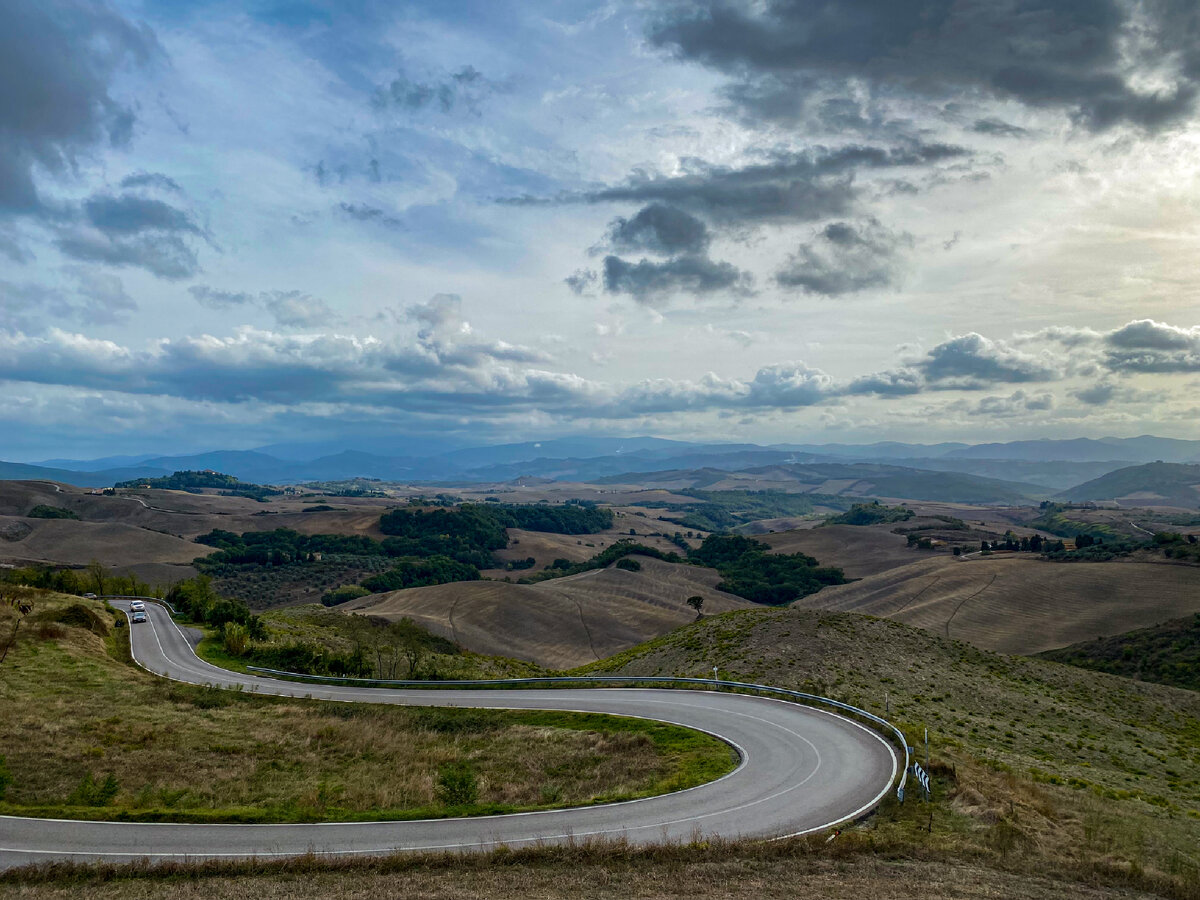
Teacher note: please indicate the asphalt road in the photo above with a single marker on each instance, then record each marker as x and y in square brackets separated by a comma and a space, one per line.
[801, 770]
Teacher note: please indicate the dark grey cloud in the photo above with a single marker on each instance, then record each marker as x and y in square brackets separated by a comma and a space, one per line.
[647, 280]
[363, 212]
[131, 214]
[659, 229]
[971, 361]
[807, 185]
[155, 180]
[1149, 346]
[1090, 58]
[463, 89]
[582, 280]
[846, 258]
[892, 383]
[131, 230]
[57, 62]
[165, 255]
[998, 128]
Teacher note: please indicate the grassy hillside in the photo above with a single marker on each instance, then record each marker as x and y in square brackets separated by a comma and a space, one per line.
[1041, 758]
[1018, 603]
[76, 711]
[1168, 653]
[560, 623]
[1166, 484]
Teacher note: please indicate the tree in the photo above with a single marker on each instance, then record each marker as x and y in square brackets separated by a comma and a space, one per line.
[98, 576]
[696, 602]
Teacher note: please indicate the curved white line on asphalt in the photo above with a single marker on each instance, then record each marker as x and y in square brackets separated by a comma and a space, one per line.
[774, 792]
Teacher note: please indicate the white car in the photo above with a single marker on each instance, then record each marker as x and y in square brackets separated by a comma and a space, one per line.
[137, 606]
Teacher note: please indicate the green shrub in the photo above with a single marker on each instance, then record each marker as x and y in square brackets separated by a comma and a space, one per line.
[344, 594]
[457, 784]
[91, 792]
[629, 565]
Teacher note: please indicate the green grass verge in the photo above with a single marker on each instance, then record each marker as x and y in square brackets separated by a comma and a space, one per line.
[76, 711]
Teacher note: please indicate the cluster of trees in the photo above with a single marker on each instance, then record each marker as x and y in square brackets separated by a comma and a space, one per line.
[194, 481]
[749, 570]
[1030, 543]
[95, 579]
[872, 513]
[1178, 546]
[467, 533]
[416, 572]
[196, 599]
[42, 511]
[283, 546]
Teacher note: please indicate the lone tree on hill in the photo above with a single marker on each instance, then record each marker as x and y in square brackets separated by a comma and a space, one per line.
[696, 602]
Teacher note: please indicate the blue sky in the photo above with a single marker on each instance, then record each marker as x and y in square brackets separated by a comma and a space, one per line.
[227, 225]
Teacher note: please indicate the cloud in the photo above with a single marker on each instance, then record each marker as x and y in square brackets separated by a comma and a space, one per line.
[57, 61]
[290, 309]
[1101, 62]
[1149, 346]
[1015, 404]
[798, 186]
[362, 212]
[581, 281]
[131, 230]
[647, 280]
[93, 298]
[463, 89]
[658, 229]
[971, 361]
[211, 298]
[998, 128]
[155, 180]
[845, 258]
[892, 383]
[295, 309]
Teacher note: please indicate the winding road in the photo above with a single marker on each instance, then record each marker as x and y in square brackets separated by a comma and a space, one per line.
[802, 769]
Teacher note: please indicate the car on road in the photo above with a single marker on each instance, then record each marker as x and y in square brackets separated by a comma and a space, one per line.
[139, 617]
[137, 606]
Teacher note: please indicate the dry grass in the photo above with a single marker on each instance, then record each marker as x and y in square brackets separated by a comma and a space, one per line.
[854, 866]
[858, 551]
[1065, 764]
[70, 708]
[563, 622]
[1020, 604]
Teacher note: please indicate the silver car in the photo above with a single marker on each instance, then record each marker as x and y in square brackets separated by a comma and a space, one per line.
[139, 617]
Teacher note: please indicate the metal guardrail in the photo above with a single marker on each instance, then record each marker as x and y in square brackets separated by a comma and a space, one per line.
[883, 724]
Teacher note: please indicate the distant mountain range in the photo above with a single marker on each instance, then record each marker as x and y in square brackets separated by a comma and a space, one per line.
[1048, 465]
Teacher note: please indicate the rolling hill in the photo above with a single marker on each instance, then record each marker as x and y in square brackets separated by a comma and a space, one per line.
[560, 623]
[855, 480]
[1019, 604]
[1168, 653]
[1151, 484]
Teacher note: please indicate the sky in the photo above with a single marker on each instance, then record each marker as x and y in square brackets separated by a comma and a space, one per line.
[226, 225]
